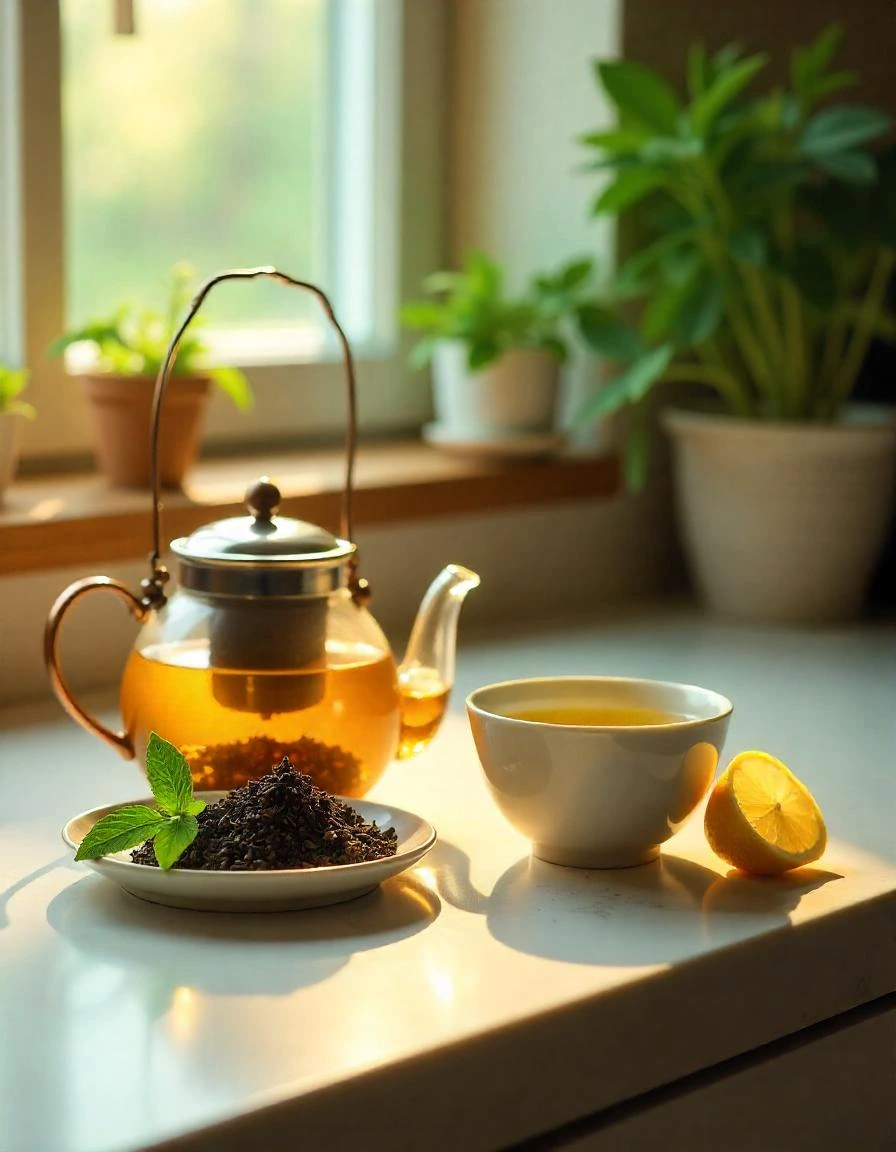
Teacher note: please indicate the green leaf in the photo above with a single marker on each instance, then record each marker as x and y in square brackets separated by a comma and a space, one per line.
[637, 449]
[169, 776]
[628, 139]
[426, 314]
[808, 64]
[631, 386]
[574, 274]
[727, 56]
[836, 82]
[664, 148]
[234, 384]
[841, 128]
[640, 93]
[852, 167]
[173, 838]
[13, 382]
[726, 86]
[749, 245]
[95, 333]
[606, 334]
[679, 265]
[611, 162]
[627, 189]
[700, 311]
[482, 353]
[659, 315]
[790, 112]
[483, 275]
[125, 828]
[821, 51]
[630, 274]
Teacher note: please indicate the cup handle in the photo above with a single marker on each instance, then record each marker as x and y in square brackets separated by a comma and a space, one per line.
[120, 741]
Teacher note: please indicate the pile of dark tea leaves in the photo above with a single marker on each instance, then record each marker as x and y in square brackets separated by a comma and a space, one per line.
[281, 820]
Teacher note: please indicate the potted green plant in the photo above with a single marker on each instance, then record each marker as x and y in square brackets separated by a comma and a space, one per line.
[129, 349]
[766, 240]
[13, 411]
[495, 359]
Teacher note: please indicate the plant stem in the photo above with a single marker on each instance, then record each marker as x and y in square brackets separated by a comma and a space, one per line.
[845, 379]
[723, 382]
[751, 350]
[796, 349]
[831, 356]
[794, 385]
[762, 308]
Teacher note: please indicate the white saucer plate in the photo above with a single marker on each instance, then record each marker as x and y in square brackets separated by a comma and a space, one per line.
[275, 891]
[524, 445]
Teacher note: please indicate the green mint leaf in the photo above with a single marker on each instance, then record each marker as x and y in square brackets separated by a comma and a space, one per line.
[195, 807]
[169, 776]
[125, 828]
[173, 838]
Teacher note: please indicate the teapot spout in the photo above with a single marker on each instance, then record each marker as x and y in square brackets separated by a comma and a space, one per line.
[426, 675]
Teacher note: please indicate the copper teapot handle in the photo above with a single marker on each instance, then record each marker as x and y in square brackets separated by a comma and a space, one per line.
[159, 575]
[138, 608]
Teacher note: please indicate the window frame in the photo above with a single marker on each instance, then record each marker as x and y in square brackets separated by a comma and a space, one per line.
[10, 210]
[405, 201]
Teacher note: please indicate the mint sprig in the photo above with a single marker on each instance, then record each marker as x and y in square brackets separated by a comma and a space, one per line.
[172, 826]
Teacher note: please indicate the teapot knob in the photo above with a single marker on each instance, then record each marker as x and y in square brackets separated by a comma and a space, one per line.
[263, 498]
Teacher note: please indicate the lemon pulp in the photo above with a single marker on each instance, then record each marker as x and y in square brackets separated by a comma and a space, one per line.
[761, 819]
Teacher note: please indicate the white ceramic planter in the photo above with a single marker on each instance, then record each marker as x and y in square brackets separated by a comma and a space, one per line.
[11, 424]
[783, 521]
[516, 394]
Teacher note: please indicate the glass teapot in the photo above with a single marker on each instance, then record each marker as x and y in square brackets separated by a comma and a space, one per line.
[266, 648]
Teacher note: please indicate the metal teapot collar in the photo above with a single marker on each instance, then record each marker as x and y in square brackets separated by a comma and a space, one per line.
[262, 554]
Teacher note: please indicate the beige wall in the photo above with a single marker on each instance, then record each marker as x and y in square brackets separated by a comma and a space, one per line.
[522, 93]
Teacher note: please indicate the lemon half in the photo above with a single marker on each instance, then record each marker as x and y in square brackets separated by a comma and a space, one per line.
[761, 819]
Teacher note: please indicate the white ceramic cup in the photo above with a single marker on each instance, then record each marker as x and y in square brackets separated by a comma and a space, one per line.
[598, 796]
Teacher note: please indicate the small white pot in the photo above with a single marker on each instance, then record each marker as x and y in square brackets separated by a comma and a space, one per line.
[10, 438]
[783, 521]
[515, 394]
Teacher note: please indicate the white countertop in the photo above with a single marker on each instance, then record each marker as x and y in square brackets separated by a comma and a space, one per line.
[483, 996]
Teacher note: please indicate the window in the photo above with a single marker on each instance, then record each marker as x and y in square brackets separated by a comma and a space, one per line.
[198, 138]
[223, 133]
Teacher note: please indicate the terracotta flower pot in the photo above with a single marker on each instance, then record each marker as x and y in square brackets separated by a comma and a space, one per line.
[10, 437]
[121, 407]
[783, 521]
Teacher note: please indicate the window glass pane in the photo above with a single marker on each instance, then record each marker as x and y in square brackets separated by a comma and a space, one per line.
[198, 139]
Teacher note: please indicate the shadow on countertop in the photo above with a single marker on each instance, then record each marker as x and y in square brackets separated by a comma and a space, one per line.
[261, 954]
[659, 913]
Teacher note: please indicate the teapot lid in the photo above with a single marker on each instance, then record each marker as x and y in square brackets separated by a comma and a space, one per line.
[262, 554]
